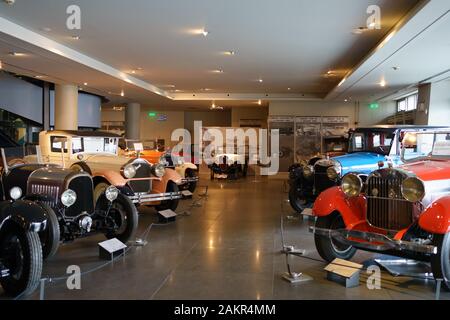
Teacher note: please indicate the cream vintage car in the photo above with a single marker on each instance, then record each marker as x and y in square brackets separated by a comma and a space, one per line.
[98, 154]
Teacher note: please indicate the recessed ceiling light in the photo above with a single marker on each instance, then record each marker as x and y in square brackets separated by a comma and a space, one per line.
[133, 71]
[260, 80]
[230, 53]
[329, 72]
[16, 54]
[205, 32]
[218, 71]
[85, 83]
[383, 83]
[122, 94]
[346, 100]
[259, 102]
[76, 37]
[206, 89]
[289, 89]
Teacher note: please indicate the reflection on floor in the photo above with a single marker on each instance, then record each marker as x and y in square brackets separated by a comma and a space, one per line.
[229, 248]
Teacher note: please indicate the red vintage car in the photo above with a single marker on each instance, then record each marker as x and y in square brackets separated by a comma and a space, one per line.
[403, 211]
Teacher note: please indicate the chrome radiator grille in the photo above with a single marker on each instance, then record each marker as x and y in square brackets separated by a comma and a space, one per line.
[386, 207]
[51, 192]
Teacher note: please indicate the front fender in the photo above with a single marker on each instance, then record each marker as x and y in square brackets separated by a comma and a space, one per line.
[333, 199]
[114, 178]
[436, 217]
[170, 175]
[181, 170]
[27, 214]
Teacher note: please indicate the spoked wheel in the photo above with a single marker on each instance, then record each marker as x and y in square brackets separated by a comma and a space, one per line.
[169, 204]
[125, 217]
[440, 262]
[21, 253]
[297, 202]
[329, 248]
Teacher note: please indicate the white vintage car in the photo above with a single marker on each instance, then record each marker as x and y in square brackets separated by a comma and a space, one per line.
[97, 153]
[230, 165]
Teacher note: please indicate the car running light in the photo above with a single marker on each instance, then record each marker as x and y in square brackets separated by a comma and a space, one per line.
[111, 193]
[15, 193]
[351, 185]
[68, 198]
[129, 171]
[159, 170]
[413, 189]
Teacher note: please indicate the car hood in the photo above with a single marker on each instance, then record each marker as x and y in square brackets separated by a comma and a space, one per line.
[363, 162]
[429, 170]
[106, 158]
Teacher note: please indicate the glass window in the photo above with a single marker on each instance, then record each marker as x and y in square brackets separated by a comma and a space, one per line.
[58, 143]
[408, 103]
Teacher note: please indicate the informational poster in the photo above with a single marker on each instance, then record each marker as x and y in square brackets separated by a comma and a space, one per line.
[286, 126]
[307, 137]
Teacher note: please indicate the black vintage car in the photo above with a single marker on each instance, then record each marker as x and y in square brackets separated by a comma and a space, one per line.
[67, 197]
[20, 246]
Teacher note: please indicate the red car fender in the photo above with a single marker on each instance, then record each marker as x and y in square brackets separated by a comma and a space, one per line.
[352, 210]
[436, 218]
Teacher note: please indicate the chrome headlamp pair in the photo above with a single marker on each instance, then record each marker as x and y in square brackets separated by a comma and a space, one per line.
[412, 188]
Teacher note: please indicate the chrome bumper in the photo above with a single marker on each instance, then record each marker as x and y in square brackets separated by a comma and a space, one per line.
[143, 198]
[373, 241]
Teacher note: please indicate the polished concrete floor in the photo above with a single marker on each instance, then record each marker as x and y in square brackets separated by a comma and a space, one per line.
[228, 247]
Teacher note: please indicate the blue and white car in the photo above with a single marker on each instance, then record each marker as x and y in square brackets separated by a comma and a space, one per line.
[369, 149]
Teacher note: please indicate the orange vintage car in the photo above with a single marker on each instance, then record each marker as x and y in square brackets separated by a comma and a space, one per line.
[187, 170]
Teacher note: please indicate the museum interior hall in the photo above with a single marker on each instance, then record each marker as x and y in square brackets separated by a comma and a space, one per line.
[210, 150]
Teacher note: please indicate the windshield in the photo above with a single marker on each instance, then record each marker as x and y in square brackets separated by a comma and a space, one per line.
[94, 145]
[20, 155]
[368, 141]
[419, 145]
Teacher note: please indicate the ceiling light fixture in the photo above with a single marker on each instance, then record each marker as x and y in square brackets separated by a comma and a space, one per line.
[1, 64]
[259, 102]
[230, 53]
[260, 80]
[205, 32]
[289, 89]
[383, 83]
[76, 37]
[122, 94]
[218, 71]
[85, 83]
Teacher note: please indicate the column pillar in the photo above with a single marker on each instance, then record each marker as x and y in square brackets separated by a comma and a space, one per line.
[133, 121]
[66, 107]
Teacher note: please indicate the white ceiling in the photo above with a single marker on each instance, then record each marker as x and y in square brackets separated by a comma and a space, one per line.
[288, 44]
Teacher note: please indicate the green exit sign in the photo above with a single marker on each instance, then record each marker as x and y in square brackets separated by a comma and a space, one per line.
[374, 105]
[152, 114]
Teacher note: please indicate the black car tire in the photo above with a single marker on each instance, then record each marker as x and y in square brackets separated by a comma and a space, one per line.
[51, 236]
[328, 248]
[26, 279]
[169, 204]
[440, 262]
[124, 211]
[191, 174]
[296, 202]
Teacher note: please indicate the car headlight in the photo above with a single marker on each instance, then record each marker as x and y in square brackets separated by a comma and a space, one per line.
[333, 172]
[15, 193]
[351, 185]
[159, 170]
[111, 193]
[413, 189]
[129, 171]
[308, 171]
[68, 198]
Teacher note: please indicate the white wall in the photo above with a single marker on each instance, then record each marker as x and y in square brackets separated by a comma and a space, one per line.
[439, 109]
[249, 113]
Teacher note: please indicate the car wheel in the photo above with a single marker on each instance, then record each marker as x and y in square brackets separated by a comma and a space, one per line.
[440, 262]
[327, 247]
[125, 217]
[169, 204]
[99, 190]
[192, 185]
[296, 201]
[21, 253]
[51, 236]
